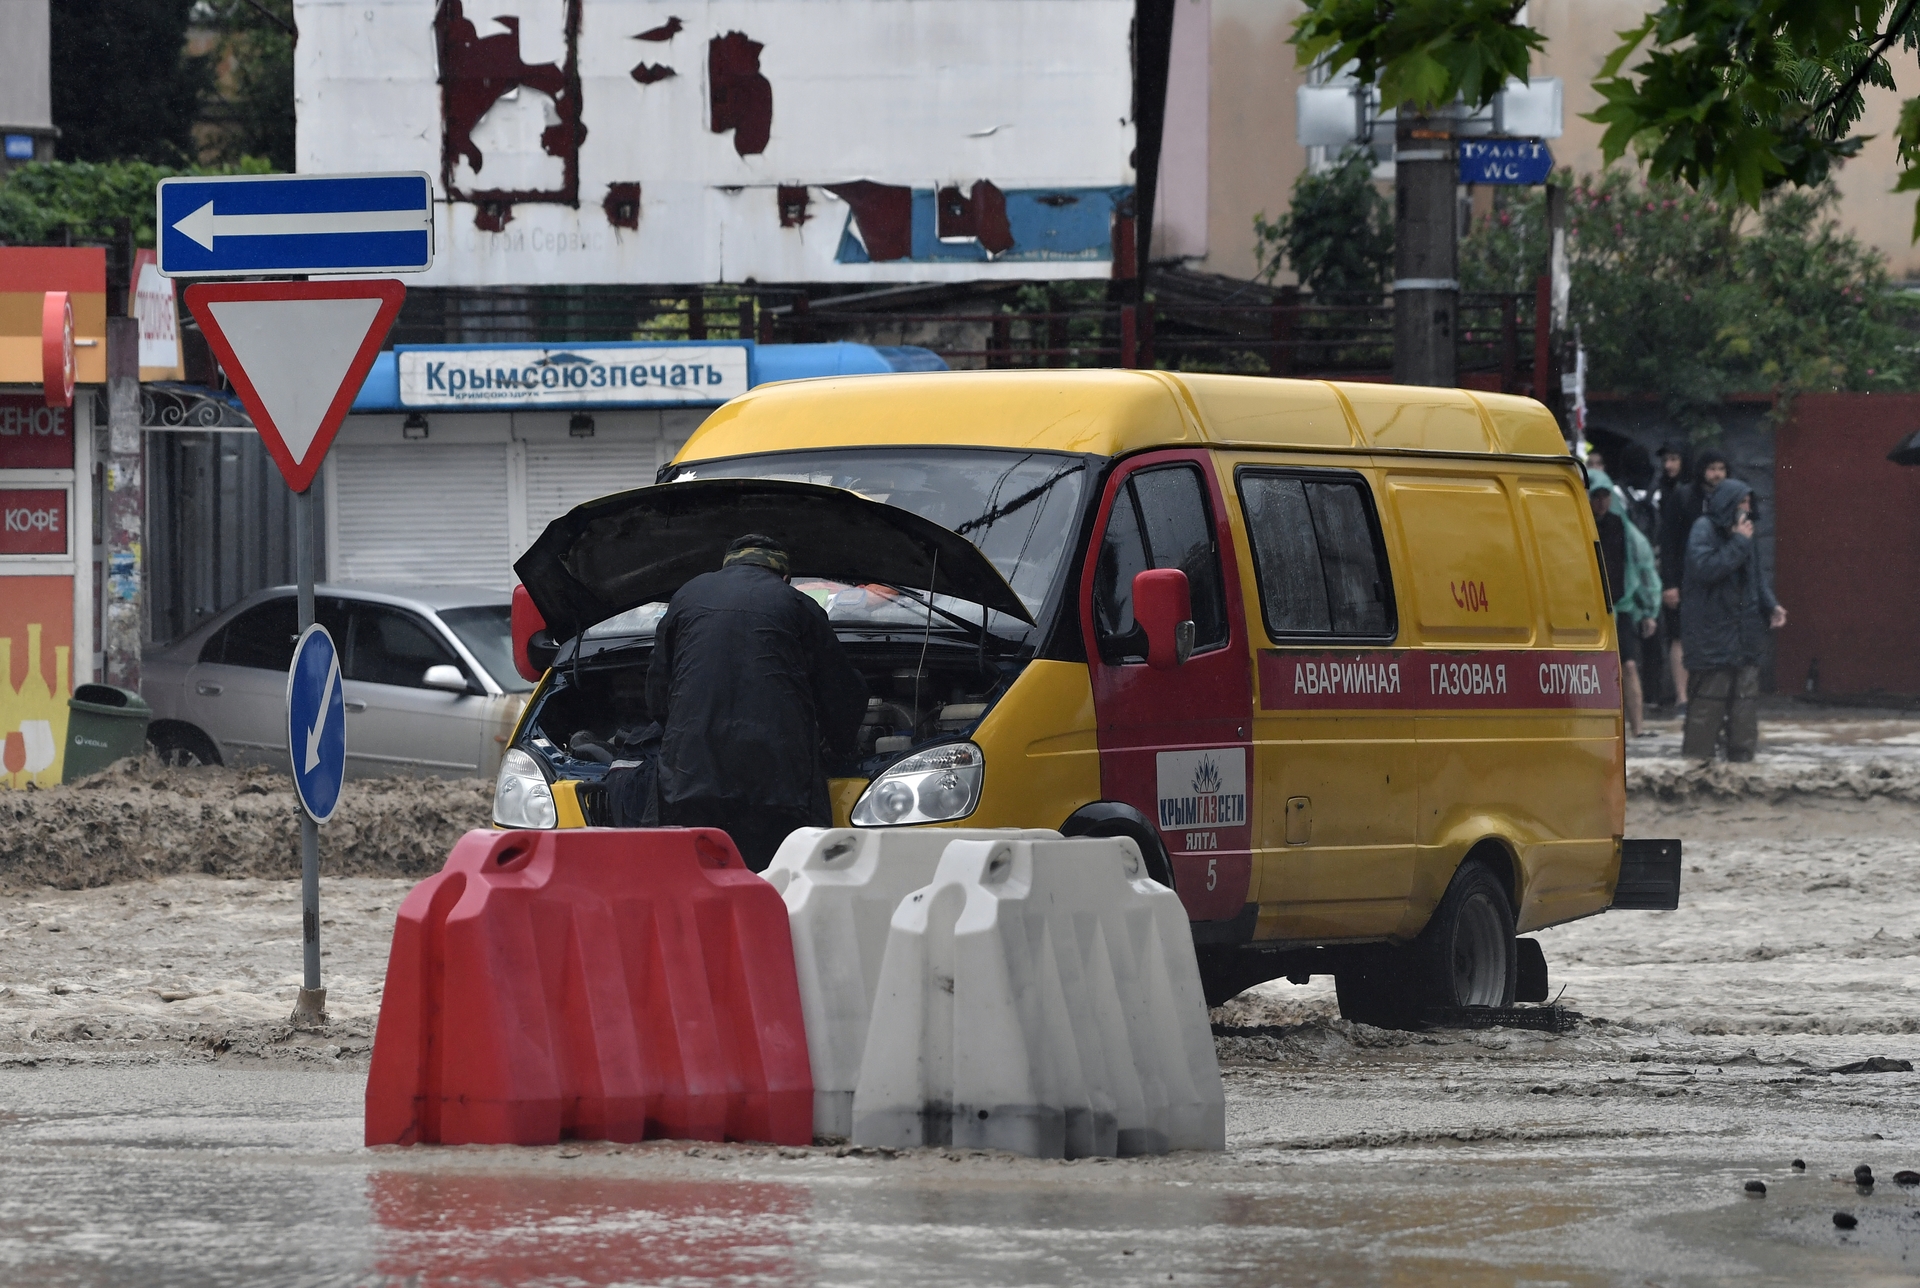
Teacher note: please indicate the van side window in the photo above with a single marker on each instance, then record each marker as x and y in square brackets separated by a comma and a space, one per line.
[1317, 555]
[1160, 519]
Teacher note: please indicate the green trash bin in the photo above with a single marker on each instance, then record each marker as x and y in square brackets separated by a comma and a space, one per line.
[104, 724]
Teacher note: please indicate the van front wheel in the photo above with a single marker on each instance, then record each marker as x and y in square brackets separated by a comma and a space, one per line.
[1466, 955]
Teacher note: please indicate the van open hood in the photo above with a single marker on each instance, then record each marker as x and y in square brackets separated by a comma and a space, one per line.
[638, 547]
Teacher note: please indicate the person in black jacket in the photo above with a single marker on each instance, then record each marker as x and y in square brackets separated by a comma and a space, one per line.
[1676, 508]
[748, 681]
[1728, 606]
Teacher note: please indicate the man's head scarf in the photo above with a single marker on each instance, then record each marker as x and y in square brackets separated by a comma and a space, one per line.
[760, 550]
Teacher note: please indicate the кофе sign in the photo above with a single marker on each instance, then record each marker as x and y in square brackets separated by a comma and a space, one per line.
[33, 521]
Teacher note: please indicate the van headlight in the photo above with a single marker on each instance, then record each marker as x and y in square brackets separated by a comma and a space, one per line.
[932, 786]
[521, 797]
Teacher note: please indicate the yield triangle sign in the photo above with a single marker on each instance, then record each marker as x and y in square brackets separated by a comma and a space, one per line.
[297, 353]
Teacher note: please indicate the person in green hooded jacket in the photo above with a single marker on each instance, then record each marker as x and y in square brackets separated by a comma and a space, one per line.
[1633, 579]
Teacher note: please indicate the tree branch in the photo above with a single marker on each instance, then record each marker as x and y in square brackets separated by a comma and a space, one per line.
[1880, 48]
[288, 27]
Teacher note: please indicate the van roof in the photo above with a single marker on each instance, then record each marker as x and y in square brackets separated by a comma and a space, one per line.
[1108, 412]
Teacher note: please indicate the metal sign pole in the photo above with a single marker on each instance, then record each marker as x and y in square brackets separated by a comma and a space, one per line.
[312, 1006]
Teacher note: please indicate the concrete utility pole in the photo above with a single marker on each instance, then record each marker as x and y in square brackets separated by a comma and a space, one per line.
[126, 506]
[1426, 264]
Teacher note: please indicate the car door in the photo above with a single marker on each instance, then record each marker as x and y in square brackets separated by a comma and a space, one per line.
[1335, 753]
[393, 720]
[237, 690]
[1174, 743]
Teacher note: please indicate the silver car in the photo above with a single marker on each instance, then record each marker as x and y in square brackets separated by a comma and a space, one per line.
[428, 671]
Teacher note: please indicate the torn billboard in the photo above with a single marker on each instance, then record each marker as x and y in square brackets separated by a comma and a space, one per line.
[661, 141]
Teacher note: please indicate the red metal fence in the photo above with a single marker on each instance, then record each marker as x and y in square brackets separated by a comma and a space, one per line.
[1847, 547]
[1276, 333]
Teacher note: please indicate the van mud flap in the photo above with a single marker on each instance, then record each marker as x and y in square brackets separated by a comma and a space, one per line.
[1649, 877]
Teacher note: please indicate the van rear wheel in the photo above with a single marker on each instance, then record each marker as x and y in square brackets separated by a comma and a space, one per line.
[1466, 956]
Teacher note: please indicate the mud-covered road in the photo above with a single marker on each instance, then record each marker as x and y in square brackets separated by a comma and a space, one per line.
[159, 1125]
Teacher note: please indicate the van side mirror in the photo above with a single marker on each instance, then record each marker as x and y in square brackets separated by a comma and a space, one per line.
[1163, 607]
[533, 647]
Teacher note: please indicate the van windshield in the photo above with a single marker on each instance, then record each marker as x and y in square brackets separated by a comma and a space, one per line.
[1019, 508]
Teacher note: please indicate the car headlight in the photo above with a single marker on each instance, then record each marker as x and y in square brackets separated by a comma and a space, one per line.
[932, 786]
[521, 797]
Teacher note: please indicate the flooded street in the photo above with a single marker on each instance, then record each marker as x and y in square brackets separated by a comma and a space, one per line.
[158, 1124]
[1415, 1166]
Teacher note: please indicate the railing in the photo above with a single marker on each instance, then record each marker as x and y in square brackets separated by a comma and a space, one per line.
[1287, 334]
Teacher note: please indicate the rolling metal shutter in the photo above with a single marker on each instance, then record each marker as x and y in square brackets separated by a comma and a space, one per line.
[562, 475]
[423, 513]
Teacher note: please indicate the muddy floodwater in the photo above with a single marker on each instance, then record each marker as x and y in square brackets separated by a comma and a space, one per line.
[159, 1125]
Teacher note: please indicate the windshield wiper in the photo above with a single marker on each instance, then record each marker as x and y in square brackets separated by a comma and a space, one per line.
[1020, 502]
[974, 631]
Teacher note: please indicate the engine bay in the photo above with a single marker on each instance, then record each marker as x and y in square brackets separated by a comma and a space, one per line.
[593, 714]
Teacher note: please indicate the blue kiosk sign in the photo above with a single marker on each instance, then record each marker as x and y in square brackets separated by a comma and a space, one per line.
[1523, 162]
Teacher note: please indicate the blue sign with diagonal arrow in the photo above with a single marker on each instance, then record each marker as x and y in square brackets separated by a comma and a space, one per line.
[316, 723]
[242, 225]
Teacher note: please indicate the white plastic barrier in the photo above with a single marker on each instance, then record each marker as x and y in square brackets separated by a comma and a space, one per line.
[842, 885]
[1041, 996]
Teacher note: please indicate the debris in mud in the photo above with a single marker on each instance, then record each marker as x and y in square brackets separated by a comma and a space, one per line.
[1875, 1064]
[139, 819]
[1545, 1019]
[1682, 781]
[1845, 1220]
[1906, 1178]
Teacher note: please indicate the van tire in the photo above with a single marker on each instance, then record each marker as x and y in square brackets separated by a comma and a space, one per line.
[1112, 818]
[1466, 955]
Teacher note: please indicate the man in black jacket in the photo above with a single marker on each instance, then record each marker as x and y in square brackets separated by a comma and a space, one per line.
[1676, 508]
[1728, 605]
[747, 681]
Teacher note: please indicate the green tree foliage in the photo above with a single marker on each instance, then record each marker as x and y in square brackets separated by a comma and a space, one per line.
[1741, 96]
[1337, 235]
[124, 87]
[1690, 298]
[1423, 53]
[256, 84]
[1732, 97]
[84, 201]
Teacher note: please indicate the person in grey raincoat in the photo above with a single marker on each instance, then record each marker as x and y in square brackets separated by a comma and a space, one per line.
[748, 682]
[1727, 604]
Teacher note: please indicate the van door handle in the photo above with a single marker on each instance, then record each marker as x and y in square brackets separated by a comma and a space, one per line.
[206, 690]
[353, 704]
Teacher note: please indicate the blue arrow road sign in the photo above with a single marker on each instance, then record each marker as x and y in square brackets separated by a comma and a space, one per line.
[316, 723]
[249, 224]
[1517, 161]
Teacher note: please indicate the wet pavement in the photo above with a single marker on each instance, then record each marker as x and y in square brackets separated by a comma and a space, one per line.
[1425, 1168]
[160, 1125]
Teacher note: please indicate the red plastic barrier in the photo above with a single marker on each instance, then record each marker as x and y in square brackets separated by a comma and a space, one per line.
[592, 984]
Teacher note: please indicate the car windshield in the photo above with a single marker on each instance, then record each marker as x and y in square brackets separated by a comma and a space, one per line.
[487, 631]
[1018, 508]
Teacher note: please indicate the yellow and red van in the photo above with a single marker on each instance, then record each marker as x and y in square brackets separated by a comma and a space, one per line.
[1338, 657]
